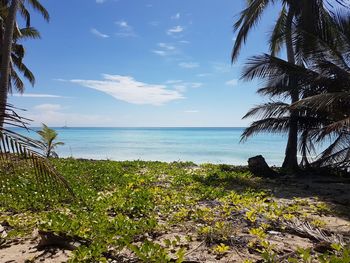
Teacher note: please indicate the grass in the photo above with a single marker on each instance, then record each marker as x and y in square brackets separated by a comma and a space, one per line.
[165, 212]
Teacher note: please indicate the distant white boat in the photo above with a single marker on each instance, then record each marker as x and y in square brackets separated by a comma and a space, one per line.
[65, 125]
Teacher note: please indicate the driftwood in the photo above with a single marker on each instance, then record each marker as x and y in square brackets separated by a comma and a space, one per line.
[258, 166]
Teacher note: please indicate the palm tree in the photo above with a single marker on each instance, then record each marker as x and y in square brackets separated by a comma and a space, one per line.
[296, 16]
[331, 62]
[12, 144]
[323, 83]
[9, 9]
[48, 137]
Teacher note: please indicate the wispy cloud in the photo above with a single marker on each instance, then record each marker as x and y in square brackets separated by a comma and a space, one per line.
[128, 89]
[162, 53]
[191, 111]
[196, 84]
[48, 107]
[54, 115]
[165, 49]
[33, 95]
[221, 67]
[174, 81]
[166, 46]
[232, 82]
[183, 86]
[202, 75]
[189, 65]
[175, 30]
[98, 33]
[184, 42]
[100, 1]
[176, 16]
[125, 30]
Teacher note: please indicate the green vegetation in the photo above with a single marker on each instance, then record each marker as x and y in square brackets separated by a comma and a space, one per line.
[159, 212]
[48, 139]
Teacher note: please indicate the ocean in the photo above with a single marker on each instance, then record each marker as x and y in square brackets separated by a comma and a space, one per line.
[199, 145]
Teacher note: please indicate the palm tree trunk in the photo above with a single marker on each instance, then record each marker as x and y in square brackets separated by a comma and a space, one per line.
[290, 162]
[5, 69]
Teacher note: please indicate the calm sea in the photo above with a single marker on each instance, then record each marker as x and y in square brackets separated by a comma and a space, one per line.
[199, 145]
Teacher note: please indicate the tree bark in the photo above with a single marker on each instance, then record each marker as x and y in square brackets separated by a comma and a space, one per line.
[290, 162]
[5, 69]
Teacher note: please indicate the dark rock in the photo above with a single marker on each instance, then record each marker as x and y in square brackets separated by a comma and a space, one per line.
[258, 166]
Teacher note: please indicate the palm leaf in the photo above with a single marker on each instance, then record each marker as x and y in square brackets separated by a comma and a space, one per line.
[277, 36]
[15, 147]
[36, 5]
[269, 125]
[249, 17]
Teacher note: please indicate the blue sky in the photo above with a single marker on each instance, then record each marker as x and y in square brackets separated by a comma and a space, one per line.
[140, 63]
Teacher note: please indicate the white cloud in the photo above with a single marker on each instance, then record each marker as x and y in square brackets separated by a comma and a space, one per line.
[57, 118]
[175, 30]
[123, 24]
[166, 46]
[196, 85]
[165, 49]
[32, 95]
[202, 75]
[125, 30]
[127, 89]
[174, 81]
[191, 111]
[162, 53]
[100, 1]
[221, 67]
[189, 65]
[232, 82]
[176, 16]
[183, 86]
[180, 87]
[98, 33]
[184, 42]
[48, 107]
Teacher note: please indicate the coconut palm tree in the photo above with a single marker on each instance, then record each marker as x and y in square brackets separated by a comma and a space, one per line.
[9, 9]
[323, 83]
[295, 18]
[48, 137]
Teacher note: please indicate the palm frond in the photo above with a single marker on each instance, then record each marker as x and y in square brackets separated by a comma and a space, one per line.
[325, 101]
[268, 110]
[269, 125]
[23, 69]
[36, 5]
[16, 82]
[277, 37]
[337, 154]
[249, 17]
[29, 32]
[15, 147]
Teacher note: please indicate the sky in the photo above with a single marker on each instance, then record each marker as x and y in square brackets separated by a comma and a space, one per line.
[140, 63]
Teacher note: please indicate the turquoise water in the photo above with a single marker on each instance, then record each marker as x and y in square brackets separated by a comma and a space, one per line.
[199, 145]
